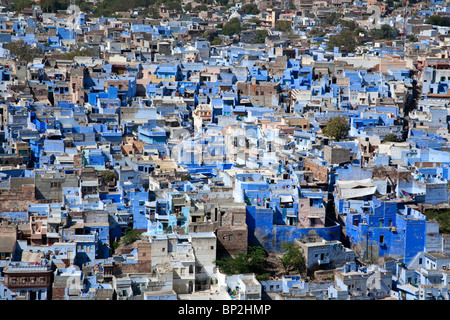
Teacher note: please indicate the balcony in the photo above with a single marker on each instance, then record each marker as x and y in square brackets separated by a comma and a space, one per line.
[124, 221]
[323, 261]
[186, 276]
[179, 202]
[27, 267]
[163, 216]
[289, 212]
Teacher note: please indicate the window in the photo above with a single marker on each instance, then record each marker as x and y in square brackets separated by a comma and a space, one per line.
[381, 239]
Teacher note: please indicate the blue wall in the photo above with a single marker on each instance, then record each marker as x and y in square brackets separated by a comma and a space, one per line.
[396, 231]
[262, 231]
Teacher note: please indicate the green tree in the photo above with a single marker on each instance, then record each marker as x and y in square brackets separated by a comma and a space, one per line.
[131, 236]
[332, 19]
[152, 12]
[442, 216]
[261, 35]
[115, 245]
[199, 8]
[256, 259]
[349, 24]
[235, 265]
[85, 6]
[81, 52]
[252, 261]
[54, 5]
[108, 8]
[336, 128]
[232, 27]
[292, 258]
[386, 32]
[250, 8]
[347, 38]
[412, 38]
[188, 7]
[173, 4]
[255, 20]
[283, 25]
[109, 176]
[390, 138]
[19, 5]
[436, 20]
[216, 41]
[317, 32]
[22, 51]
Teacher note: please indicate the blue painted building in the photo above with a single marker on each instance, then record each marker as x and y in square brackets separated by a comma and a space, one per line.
[387, 229]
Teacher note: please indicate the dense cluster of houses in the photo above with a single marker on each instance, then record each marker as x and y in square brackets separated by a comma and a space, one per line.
[202, 150]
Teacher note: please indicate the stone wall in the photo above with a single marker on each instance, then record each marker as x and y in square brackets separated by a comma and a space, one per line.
[232, 240]
[17, 199]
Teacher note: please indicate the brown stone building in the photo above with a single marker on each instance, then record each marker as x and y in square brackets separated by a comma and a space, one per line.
[232, 234]
[143, 265]
[257, 89]
[8, 240]
[17, 198]
[227, 220]
[337, 154]
[76, 84]
[320, 173]
[28, 281]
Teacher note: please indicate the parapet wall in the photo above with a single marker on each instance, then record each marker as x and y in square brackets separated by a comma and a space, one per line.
[262, 231]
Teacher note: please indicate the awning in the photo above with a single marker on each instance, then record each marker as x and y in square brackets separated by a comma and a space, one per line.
[355, 188]
[286, 199]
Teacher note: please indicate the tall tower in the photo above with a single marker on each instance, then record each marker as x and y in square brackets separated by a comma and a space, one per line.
[405, 17]
[74, 12]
